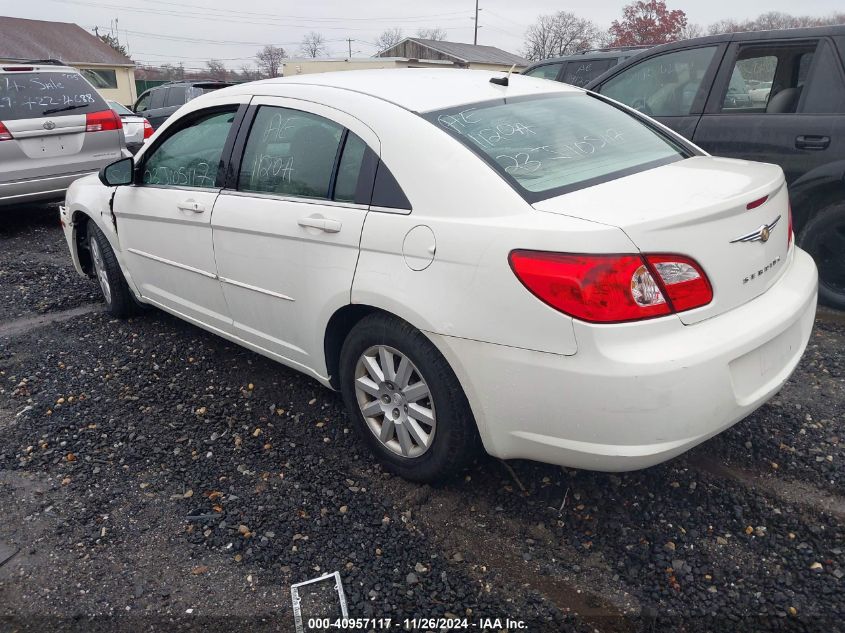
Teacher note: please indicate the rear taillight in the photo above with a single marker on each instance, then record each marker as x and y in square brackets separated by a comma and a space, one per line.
[685, 284]
[5, 134]
[148, 129]
[102, 121]
[613, 288]
[789, 232]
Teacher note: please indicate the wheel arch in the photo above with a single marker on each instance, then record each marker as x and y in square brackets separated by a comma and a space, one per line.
[817, 190]
[339, 326]
[79, 221]
[346, 317]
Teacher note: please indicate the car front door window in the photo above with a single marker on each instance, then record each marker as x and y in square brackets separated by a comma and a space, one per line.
[663, 86]
[143, 103]
[190, 157]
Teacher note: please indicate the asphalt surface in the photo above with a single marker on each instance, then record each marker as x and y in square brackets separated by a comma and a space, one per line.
[155, 477]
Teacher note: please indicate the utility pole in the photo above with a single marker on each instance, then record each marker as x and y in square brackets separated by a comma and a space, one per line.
[475, 37]
[349, 40]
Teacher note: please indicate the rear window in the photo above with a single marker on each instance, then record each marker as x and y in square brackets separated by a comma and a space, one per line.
[580, 73]
[545, 146]
[26, 95]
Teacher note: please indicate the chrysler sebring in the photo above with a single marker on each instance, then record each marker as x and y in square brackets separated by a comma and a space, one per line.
[471, 260]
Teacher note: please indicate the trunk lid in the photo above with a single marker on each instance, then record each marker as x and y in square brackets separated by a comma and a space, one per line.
[699, 207]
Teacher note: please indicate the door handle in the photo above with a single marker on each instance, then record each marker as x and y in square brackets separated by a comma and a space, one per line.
[191, 205]
[812, 142]
[320, 223]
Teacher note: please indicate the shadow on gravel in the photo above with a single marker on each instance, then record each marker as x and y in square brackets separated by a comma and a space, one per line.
[22, 218]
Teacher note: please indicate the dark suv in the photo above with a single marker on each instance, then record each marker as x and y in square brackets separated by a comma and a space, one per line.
[156, 104]
[772, 96]
[581, 68]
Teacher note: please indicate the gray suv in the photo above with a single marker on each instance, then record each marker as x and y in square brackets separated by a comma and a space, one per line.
[158, 103]
[54, 128]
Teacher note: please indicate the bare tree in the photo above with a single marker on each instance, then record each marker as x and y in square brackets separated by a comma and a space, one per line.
[269, 60]
[216, 69]
[171, 72]
[433, 33]
[561, 33]
[250, 73]
[389, 38]
[774, 20]
[313, 45]
[690, 31]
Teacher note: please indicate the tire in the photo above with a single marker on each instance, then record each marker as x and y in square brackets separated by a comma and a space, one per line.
[119, 300]
[823, 237]
[401, 411]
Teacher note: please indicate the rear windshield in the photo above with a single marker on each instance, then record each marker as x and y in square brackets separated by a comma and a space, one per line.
[580, 73]
[26, 95]
[120, 109]
[550, 144]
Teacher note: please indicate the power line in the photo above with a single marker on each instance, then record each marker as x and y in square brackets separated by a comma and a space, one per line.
[216, 15]
[316, 19]
[195, 40]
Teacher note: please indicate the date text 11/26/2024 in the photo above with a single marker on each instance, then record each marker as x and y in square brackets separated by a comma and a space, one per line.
[416, 624]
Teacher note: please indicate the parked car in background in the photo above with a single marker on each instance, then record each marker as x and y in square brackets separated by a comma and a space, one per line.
[532, 274]
[54, 128]
[772, 96]
[135, 128]
[158, 103]
[581, 68]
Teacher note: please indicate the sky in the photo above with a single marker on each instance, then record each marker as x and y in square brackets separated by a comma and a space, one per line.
[161, 31]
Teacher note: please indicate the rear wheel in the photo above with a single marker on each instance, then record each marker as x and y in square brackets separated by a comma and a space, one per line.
[406, 401]
[118, 297]
[824, 238]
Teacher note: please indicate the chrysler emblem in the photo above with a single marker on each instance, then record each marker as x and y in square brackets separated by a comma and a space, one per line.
[49, 125]
[760, 235]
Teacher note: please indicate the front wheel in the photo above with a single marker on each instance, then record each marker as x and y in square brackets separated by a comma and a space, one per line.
[824, 238]
[118, 297]
[405, 399]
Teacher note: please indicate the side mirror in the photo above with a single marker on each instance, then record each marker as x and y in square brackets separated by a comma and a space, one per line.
[118, 173]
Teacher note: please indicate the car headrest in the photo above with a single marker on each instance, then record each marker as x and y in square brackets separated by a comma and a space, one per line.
[784, 102]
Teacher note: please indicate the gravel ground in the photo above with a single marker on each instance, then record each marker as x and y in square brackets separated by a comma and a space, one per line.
[155, 476]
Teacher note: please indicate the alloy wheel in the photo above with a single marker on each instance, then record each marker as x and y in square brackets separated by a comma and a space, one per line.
[100, 269]
[395, 401]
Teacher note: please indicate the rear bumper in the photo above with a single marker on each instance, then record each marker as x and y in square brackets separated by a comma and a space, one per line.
[637, 394]
[43, 189]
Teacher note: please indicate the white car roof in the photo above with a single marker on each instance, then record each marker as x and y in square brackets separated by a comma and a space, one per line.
[415, 89]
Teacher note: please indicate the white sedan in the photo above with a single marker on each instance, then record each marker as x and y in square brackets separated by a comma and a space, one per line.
[136, 129]
[471, 261]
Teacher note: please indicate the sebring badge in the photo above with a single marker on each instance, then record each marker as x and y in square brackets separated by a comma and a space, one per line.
[760, 235]
[49, 125]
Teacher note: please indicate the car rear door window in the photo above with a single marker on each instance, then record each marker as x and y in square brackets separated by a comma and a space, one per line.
[663, 86]
[768, 78]
[175, 96]
[29, 95]
[157, 98]
[581, 72]
[349, 168]
[290, 153]
[190, 156]
[549, 71]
